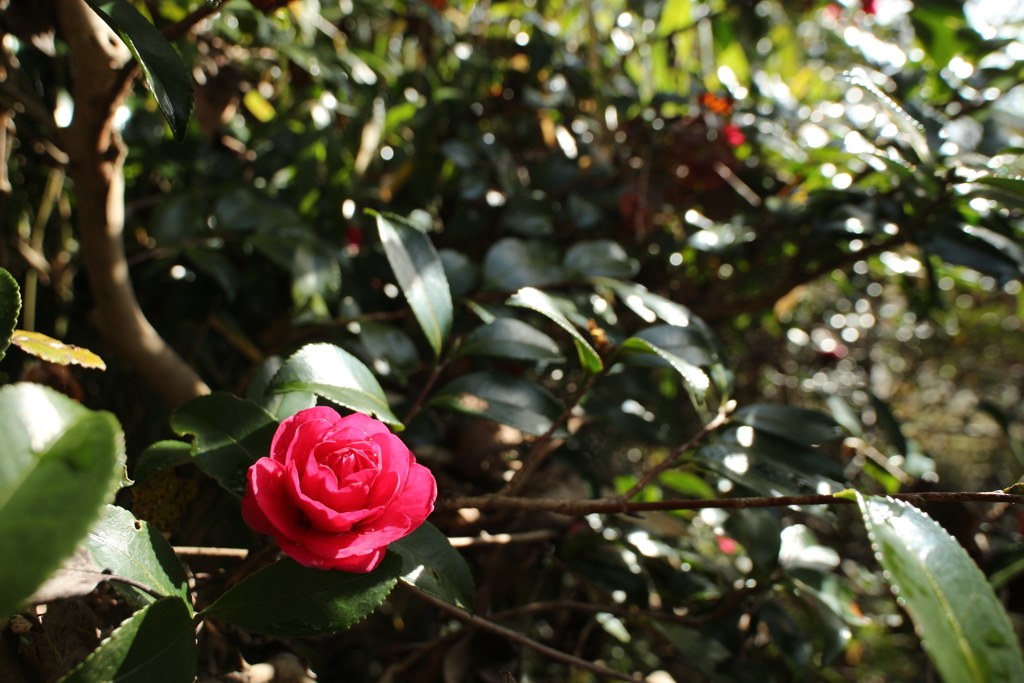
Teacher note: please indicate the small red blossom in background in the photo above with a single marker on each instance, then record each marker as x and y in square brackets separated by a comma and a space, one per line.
[734, 137]
[335, 491]
[869, 6]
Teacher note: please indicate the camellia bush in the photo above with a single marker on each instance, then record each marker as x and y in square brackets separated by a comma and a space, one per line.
[552, 340]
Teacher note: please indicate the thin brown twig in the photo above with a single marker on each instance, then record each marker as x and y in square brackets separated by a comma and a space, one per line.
[522, 639]
[503, 539]
[612, 506]
[539, 450]
[178, 29]
[438, 369]
[200, 551]
[671, 459]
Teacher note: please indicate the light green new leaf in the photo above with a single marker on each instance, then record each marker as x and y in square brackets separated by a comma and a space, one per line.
[60, 462]
[10, 307]
[55, 351]
[502, 398]
[696, 381]
[431, 564]
[420, 274]
[337, 375]
[157, 644]
[288, 600]
[132, 549]
[166, 75]
[281, 406]
[964, 626]
[528, 297]
[230, 435]
[511, 338]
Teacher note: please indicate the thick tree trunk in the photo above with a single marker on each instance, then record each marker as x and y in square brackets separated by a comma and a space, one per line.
[96, 166]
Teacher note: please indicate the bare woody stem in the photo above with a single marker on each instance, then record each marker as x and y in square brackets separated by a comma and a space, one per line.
[673, 456]
[606, 506]
[517, 637]
[103, 76]
[540, 450]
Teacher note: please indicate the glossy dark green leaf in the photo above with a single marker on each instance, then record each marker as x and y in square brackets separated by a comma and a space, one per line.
[462, 273]
[391, 351]
[1014, 186]
[60, 462]
[513, 263]
[166, 75]
[10, 307]
[769, 465]
[157, 644]
[911, 128]
[688, 343]
[511, 338]
[502, 398]
[218, 267]
[696, 382]
[888, 424]
[337, 375]
[702, 652]
[161, 456]
[431, 564]
[230, 435]
[282, 405]
[288, 600]
[55, 351]
[599, 258]
[645, 304]
[133, 549]
[964, 626]
[796, 424]
[420, 274]
[528, 297]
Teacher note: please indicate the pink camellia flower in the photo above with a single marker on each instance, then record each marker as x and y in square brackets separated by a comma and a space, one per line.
[335, 491]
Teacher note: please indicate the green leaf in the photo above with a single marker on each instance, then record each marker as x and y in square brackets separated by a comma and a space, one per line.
[288, 600]
[703, 653]
[161, 456]
[390, 350]
[599, 258]
[337, 375]
[281, 406]
[502, 398]
[420, 274]
[132, 549]
[10, 307]
[964, 626]
[528, 297]
[1013, 186]
[645, 304]
[59, 464]
[695, 380]
[911, 128]
[512, 263]
[166, 75]
[511, 338]
[431, 564]
[796, 424]
[157, 644]
[688, 343]
[769, 465]
[54, 351]
[230, 435]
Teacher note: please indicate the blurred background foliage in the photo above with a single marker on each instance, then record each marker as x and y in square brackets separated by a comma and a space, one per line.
[832, 188]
